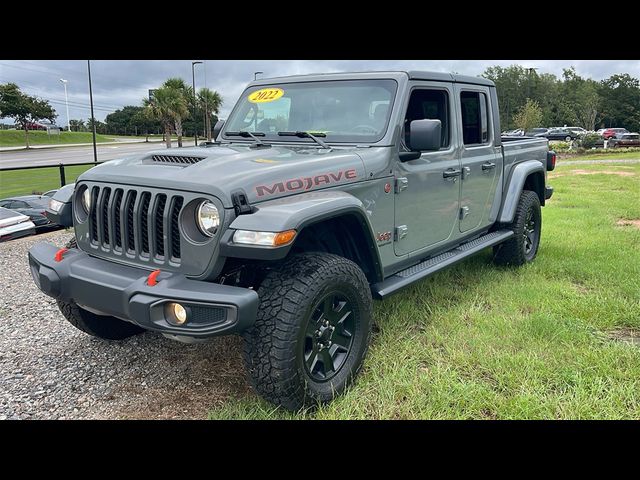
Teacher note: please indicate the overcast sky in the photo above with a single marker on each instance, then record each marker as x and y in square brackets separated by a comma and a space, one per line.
[125, 82]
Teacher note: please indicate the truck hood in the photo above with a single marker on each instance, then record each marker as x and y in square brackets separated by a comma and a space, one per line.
[219, 170]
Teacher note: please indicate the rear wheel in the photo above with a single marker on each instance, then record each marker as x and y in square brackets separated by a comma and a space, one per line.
[522, 247]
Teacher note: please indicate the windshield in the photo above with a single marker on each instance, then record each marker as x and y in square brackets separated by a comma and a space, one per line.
[350, 111]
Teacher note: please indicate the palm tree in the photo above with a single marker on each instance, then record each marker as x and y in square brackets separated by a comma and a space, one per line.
[210, 102]
[169, 107]
[186, 92]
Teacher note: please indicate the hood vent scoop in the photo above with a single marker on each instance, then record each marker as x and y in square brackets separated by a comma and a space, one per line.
[176, 159]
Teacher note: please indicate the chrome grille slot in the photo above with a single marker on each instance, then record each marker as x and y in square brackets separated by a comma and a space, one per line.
[130, 231]
[93, 218]
[105, 219]
[176, 206]
[139, 224]
[116, 212]
[159, 222]
[144, 222]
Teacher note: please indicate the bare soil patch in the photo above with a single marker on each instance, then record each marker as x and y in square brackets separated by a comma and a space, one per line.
[623, 222]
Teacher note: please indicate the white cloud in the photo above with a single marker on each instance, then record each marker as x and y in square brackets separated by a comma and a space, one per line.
[125, 82]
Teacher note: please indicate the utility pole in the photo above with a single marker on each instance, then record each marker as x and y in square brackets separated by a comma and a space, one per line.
[193, 79]
[93, 119]
[531, 70]
[66, 101]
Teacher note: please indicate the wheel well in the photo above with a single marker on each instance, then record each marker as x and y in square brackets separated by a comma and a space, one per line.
[535, 183]
[345, 236]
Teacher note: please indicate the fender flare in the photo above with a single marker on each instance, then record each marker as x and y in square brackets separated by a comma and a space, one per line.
[519, 175]
[295, 212]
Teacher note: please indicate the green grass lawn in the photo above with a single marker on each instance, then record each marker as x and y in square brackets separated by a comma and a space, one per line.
[622, 153]
[482, 342]
[15, 138]
[39, 180]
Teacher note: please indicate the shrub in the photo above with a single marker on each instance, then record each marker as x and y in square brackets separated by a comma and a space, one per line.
[560, 147]
[591, 140]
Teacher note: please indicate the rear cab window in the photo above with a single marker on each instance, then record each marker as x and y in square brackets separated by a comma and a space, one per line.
[475, 121]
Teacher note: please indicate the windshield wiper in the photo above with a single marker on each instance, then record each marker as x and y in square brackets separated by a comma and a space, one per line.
[254, 136]
[313, 137]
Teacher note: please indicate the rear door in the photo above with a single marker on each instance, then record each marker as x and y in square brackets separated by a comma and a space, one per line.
[481, 159]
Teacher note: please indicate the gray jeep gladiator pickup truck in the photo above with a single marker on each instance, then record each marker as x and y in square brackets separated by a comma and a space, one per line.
[320, 193]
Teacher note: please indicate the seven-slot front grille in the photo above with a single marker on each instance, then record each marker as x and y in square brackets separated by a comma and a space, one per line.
[136, 222]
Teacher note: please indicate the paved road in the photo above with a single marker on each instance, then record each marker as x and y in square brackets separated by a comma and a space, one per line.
[54, 156]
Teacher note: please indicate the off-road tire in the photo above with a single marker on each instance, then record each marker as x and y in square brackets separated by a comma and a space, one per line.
[274, 348]
[106, 327]
[513, 251]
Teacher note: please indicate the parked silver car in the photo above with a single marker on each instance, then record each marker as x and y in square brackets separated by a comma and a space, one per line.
[14, 225]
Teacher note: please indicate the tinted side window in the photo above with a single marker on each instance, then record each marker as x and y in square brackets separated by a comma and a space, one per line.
[432, 105]
[475, 125]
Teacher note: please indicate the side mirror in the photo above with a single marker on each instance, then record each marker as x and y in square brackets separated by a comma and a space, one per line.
[217, 128]
[425, 135]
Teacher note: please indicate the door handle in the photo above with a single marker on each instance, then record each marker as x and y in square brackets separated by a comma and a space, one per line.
[451, 172]
[488, 166]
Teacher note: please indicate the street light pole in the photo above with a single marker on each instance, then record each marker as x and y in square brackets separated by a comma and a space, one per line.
[93, 119]
[193, 79]
[66, 100]
[255, 75]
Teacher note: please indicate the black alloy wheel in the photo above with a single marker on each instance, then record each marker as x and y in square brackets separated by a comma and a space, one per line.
[329, 336]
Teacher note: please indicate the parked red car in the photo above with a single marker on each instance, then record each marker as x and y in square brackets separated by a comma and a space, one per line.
[35, 126]
[612, 132]
[625, 140]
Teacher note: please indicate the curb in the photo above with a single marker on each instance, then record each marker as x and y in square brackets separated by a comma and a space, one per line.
[44, 147]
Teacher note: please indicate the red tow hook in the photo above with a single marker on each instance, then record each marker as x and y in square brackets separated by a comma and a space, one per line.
[152, 279]
[59, 254]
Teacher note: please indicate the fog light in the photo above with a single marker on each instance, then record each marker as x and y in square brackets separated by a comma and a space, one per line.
[176, 313]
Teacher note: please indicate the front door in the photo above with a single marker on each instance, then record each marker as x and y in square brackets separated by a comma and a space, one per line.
[481, 159]
[428, 188]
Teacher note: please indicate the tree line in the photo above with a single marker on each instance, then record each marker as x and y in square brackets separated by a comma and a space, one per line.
[175, 108]
[569, 100]
[172, 108]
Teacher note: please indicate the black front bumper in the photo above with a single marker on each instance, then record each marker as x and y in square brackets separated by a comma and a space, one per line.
[122, 291]
[548, 192]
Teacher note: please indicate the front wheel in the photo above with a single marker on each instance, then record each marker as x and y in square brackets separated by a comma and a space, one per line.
[522, 247]
[105, 327]
[312, 330]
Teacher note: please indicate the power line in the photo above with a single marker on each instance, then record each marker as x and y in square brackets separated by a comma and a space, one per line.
[53, 73]
[33, 86]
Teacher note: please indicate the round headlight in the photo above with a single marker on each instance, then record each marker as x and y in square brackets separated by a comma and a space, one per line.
[86, 200]
[208, 218]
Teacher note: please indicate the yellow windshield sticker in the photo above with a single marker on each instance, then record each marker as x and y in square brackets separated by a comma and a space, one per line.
[266, 95]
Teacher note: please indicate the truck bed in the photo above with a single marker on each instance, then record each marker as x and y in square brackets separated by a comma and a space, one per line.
[521, 149]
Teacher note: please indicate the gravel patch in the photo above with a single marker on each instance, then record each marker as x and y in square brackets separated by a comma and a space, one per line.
[50, 370]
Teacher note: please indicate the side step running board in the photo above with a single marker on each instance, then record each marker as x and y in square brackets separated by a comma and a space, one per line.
[424, 269]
